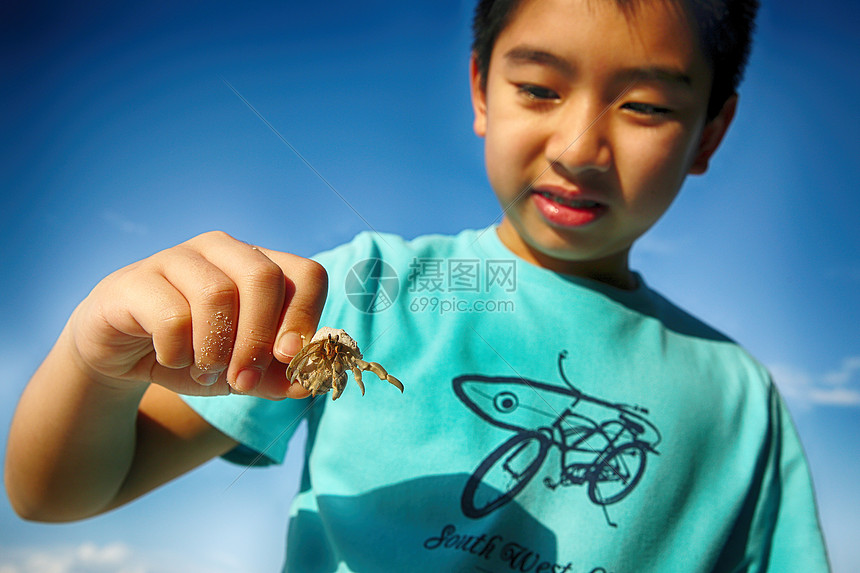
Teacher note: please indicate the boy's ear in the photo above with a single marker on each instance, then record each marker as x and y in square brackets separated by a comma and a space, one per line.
[713, 134]
[479, 97]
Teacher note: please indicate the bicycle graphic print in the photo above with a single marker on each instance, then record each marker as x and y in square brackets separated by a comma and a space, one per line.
[602, 445]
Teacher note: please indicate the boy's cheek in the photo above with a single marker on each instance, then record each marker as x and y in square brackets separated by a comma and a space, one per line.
[500, 166]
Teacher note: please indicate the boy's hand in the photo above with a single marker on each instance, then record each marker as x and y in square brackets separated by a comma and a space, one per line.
[193, 318]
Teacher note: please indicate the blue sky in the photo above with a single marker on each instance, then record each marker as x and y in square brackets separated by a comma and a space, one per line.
[119, 137]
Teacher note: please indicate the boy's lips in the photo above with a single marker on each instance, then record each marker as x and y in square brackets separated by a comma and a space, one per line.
[566, 208]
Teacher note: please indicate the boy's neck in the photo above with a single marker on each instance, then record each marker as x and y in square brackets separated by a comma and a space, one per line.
[613, 271]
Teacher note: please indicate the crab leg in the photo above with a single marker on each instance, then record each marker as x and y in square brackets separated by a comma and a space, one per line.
[377, 369]
[297, 362]
[356, 373]
[336, 392]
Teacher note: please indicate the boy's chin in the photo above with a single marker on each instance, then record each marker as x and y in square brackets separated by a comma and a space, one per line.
[538, 240]
[554, 251]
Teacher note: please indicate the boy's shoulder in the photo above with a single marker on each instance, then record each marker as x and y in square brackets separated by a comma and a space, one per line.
[408, 255]
[389, 245]
[680, 320]
[483, 244]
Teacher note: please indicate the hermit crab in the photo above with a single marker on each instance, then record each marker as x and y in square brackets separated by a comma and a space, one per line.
[322, 363]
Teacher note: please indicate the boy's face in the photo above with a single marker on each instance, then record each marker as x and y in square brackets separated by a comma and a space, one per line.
[592, 118]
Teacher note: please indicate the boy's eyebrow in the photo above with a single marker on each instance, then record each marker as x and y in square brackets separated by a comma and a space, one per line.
[521, 55]
[662, 74]
[524, 55]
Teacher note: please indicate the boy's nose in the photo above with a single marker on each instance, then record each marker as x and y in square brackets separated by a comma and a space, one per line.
[580, 141]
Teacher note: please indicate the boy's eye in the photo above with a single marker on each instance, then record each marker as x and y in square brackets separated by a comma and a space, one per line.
[647, 109]
[537, 93]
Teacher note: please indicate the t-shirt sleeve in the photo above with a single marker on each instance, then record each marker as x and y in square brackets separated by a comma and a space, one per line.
[797, 543]
[262, 427]
[783, 533]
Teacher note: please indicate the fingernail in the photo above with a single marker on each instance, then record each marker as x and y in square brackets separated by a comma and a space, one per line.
[290, 343]
[208, 378]
[247, 380]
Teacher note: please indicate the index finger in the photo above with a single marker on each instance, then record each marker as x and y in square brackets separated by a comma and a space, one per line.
[306, 290]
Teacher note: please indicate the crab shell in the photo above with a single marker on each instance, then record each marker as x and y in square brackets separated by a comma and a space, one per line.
[322, 364]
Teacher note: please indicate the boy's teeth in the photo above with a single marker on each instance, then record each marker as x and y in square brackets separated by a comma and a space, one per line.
[576, 203]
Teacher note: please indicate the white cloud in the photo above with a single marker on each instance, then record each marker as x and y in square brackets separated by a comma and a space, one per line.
[85, 558]
[89, 557]
[123, 224]
[848, 371]
[836, 397]
[838, 387]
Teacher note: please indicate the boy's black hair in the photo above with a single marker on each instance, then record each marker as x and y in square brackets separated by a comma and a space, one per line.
[725, 30]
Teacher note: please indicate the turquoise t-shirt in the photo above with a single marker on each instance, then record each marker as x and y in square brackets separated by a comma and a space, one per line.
[549, 424]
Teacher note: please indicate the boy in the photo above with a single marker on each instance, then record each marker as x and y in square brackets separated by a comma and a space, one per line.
[589, 426]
